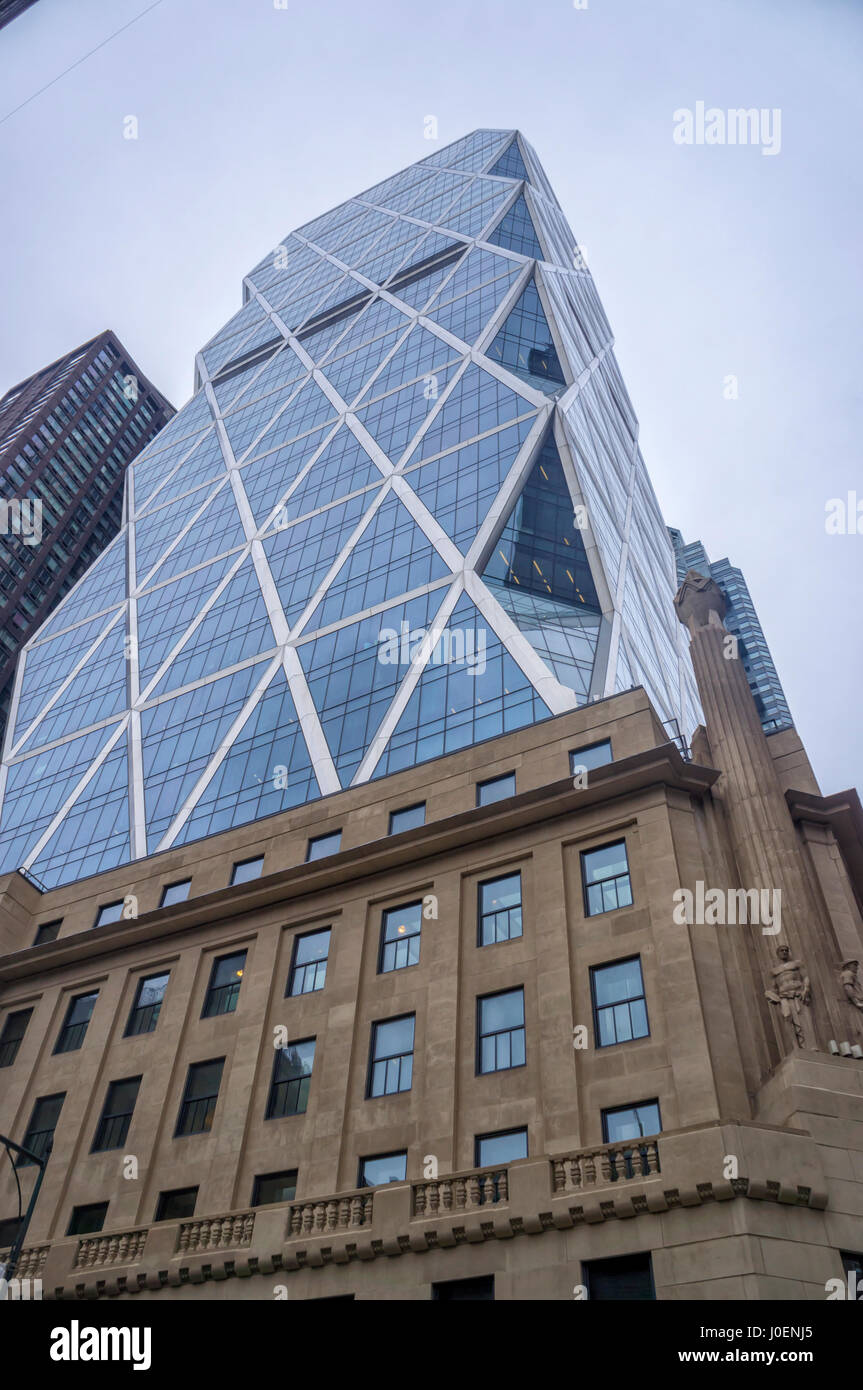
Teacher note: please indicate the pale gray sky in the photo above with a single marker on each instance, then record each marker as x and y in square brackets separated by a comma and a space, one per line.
[712, 261]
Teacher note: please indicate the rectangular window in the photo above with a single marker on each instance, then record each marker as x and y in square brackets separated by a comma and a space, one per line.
[39, 1138]
[480, 1288]
[247, 869]
[224, 989]
[605, 879]
[176, 1205]
[13, 1031]
[627, 1122]
[400, 937]
[627, 1277]
[499, 910]
[292, 1078]
[500, 1031]
[382, 1168]
[78, 1016]
[274, 1187]
[87, 1220]
[408, 818]
[47, 932]
[110, 912]
[148, 1003]
[504, 1147]
[309, 962]
[591, 756]
[199, 1098]
[175, 893]
[116, 1114]
[619, 1005]
[392, 1056]
[320, 846]
[495, 789]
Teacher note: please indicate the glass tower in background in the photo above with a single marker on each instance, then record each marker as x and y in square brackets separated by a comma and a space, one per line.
[67, 434]
[405, 511]
[741, 619]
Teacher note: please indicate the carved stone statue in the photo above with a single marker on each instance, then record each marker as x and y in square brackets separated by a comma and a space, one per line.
[849, 978]
[792, 993]
[699, 602]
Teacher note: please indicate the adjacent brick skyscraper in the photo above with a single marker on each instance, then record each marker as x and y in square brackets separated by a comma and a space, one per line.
[67, 434]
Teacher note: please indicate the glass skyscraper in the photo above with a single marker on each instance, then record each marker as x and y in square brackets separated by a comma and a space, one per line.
[742, 620]
[405, 511]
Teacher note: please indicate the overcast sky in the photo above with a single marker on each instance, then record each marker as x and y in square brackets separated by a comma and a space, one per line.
[712, 261]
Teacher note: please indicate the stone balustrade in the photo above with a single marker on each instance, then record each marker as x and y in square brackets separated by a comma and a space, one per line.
[124, 1247]
[30, 1261]
[610, 1163]
[350, 1212]
[231, 1232]
[460, 1192]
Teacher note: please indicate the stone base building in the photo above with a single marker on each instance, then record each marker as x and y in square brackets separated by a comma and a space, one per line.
[510, 1024]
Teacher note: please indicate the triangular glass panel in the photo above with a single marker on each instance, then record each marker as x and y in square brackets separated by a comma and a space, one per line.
[94, 834]
[354, 673]
[180, 736]
[47, 665]
[510, 165]
[342, 468]
[95, 693]
[418, 355]
[204, 464]
[217, 530]
[166, 612]
[394, 419]
[267, 479]
[302, 553]
[102, 585]
[516, 232]
[160, 527]
[468, 316]
[470, 690]
[525, 346]
[459, 487]
[37, 787]
[309, 407]
[478, 402]
[267, 769]
[392, 556]
[235, 628]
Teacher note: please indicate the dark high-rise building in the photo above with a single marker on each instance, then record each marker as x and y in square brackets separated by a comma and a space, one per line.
[67, 434]
[742, 621]
[10, 9]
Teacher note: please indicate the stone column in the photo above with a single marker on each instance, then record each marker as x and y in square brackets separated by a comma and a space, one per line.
[763, 838]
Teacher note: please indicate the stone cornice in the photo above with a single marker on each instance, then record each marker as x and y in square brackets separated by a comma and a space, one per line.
[662, 767]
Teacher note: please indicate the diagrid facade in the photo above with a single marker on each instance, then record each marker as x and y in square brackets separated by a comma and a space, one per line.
[404, 512]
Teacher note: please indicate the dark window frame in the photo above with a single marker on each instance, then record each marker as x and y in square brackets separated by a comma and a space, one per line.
[382, 943]
[71, 1028]
[290, 992]
[9, 1047]
[588, 1266]
[402, 811]
[241, 864]
[161, 1203]
[270, 1112]
[269, 1177]
[373, 1060]
[371, 1158]
[316, 839]
[106, 907]
[54, 927]
[575, 759]
[480, 916]
[180, 883]
[631, 1105]
[226, 994]
[620, 907]
[139, 1008]
[623, 960]
[190, 1101]
[490, 782]
[480, 999]
[500, 1134]
[77, 1213]
[106, 1120]
[41, 1149]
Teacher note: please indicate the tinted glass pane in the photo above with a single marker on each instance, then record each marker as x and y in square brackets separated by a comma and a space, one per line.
[613, 983]
[323, 845]
[408, 818]
[390, 1168]
[495, 790]
[594, 756]
[605, 863]
[502, 1011]
[501, 1148]
[175, 893]
[250, 869]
